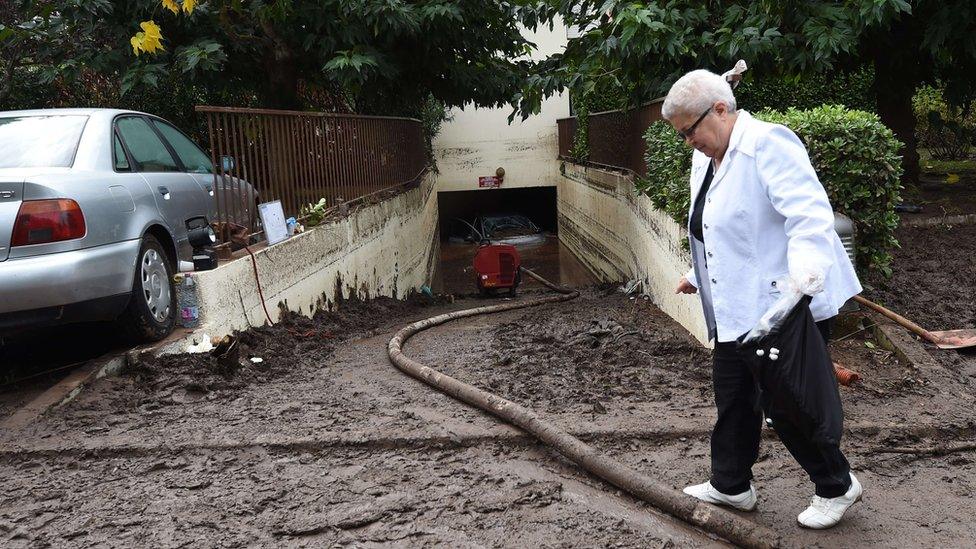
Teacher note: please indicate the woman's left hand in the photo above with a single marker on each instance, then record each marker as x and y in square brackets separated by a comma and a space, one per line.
[808, 283]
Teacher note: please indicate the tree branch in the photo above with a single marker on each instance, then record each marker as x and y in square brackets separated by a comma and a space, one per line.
[228, 26]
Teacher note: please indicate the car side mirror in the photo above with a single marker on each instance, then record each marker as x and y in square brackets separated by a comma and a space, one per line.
[227, 163]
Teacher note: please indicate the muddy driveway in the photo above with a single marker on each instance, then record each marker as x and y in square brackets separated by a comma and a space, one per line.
[323, 442]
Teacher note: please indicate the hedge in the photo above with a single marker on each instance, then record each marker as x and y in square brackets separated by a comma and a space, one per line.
[781, 93]
[604, 95]
[854, 154]
[668, 171]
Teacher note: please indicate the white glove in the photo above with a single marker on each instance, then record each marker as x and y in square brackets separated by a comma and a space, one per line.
[807, 282]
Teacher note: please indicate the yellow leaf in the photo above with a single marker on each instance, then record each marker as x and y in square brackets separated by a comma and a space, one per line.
[151, 29]
[136, 42]
[952, 178]
[188, 6]
[172, 6]
[152, 39]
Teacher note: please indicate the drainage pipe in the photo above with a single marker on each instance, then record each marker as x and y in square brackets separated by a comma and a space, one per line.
[709, 518]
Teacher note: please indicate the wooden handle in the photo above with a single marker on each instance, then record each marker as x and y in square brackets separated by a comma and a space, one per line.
[922, 332]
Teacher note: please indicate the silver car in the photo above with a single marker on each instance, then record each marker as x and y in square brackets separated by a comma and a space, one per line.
[98, 208]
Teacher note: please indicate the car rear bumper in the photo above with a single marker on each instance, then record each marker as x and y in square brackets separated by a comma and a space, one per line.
[36, 288]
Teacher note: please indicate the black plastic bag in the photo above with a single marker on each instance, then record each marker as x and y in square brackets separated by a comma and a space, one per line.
[795, 376]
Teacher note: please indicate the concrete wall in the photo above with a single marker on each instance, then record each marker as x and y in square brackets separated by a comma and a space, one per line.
[477, 141]
[620, 236]
[387, 249]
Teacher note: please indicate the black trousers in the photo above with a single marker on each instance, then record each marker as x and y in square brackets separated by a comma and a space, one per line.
[735, 438]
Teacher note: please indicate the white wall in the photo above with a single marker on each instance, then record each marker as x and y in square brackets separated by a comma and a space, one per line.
[477, 141]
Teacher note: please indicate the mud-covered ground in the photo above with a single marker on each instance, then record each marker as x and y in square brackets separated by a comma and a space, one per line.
[940, 200]
[934, 285]
[33, 361]
[324, 443]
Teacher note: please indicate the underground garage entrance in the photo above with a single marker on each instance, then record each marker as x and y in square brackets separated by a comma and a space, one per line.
[525, 218]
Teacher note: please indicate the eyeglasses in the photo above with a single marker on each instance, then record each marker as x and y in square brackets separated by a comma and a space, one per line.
[690, 132]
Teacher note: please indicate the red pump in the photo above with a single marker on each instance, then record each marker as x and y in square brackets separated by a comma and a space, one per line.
[497, 266]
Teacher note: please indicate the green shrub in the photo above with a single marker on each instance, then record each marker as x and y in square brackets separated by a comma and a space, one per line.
[580, 150]
[668, 170]
[606, 95]
[781, 93]
[947, 132]
[854, 155]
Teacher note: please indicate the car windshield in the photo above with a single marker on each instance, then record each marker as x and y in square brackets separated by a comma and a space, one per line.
[39, 141]
[505, 226]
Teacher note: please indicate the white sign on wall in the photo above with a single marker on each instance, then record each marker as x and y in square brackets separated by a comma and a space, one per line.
[273, 221]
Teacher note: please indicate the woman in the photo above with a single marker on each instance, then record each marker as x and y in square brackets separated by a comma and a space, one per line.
[759, 220]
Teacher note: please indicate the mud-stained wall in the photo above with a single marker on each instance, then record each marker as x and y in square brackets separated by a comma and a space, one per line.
[621, 236]
[475, 142]
[478, 141]
[384, 249]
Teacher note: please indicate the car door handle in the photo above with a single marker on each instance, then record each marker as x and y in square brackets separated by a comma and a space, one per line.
[164, 191]
[209, 189]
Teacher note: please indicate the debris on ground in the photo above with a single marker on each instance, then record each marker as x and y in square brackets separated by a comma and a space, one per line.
[199, 343]
[325, 442]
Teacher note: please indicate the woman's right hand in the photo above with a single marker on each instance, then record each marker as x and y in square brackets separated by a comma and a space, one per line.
[685, 287]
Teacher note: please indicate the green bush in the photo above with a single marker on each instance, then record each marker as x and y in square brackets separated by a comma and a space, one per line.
[606, 95]
[668, 170]
[947, 132]
[854, 155]
[580, 150]
[781, 93]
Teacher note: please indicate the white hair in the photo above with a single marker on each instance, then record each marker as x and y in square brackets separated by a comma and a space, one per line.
[695, 92]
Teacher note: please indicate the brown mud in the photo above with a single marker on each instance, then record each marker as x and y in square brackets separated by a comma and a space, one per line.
[327, 444]
[941, 201]
[294, 341]
[934, 285]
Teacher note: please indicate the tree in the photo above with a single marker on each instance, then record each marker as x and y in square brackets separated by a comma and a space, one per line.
[41, 41]
[368, 55]
[649, 44]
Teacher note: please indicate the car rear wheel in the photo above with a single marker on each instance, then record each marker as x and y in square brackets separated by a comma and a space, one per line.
[151, 313]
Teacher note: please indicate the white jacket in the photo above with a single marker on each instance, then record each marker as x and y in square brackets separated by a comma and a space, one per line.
[766, 216]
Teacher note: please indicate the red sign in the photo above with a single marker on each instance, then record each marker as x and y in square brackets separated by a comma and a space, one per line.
[489, 181]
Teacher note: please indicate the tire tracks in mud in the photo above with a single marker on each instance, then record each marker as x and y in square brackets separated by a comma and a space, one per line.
[364, 441]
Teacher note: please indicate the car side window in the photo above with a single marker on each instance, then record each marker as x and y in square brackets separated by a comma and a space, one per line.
[121, 161]
[193, 159]
[147, 149]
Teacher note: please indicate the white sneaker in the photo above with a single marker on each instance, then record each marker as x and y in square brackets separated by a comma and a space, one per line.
[746, 501]
[827, 512]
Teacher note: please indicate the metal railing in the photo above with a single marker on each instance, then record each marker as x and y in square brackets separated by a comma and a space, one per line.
[301, 157]
[567, 131]
[615, 138]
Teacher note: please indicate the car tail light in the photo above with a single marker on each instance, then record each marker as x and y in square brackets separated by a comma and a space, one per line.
[43, 221]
